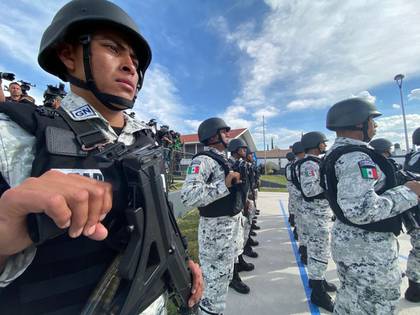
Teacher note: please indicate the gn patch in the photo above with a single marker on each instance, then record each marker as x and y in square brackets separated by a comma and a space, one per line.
[368, 169]
[83, 112]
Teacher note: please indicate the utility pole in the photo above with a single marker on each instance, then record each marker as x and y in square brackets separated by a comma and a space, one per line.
[265, 151]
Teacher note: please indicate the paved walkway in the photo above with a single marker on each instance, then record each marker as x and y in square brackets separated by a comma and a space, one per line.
[279, 282]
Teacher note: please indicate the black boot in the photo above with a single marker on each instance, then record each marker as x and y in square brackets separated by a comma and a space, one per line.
[254, 227]
[243, 265]
[252, 242]
[237, 283]
[252, 233]
[292, 220]
[303, 254]
[320, 297]
[295, 234]
[328, 286]
[413, 292]
[248, 251]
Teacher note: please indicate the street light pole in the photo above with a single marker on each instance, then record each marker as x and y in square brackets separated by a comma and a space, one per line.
[399, 78]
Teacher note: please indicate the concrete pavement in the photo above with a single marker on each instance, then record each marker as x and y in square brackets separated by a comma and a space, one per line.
[279, 282]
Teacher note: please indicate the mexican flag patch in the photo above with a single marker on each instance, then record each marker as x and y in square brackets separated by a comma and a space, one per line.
[368, 170]
[193, 169]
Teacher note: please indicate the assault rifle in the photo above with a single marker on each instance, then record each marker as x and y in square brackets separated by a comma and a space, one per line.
[410, 218]
[155, 258]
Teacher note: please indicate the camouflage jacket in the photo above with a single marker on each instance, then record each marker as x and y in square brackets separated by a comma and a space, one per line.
[356, 190]
[17, 151]
[205, 181]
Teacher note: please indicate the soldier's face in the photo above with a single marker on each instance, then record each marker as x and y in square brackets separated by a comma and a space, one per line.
[113, 63]
[15, 90]
[322, 147]
[372, 125]
[242, 152]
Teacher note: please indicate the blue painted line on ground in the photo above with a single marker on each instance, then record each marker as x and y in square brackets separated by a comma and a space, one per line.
[303, 275]
[404, 257]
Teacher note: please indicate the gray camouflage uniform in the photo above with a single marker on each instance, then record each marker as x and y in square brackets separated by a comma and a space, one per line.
[413, 262]
[367, 262]
[290, 187]
[17, 149]
[316, 221]
[219, 238]
[300, 212]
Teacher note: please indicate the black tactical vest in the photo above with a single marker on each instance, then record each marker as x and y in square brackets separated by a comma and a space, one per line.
[229, 205]
[296, 181]
[329, 182]
[64, 271]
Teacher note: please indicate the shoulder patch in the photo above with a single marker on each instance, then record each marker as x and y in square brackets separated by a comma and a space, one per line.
[368, 169]
[193, 169]
[309, 173]
[83, 112]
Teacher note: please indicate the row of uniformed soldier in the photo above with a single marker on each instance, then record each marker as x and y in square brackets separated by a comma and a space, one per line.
[370, 206]
[219, 187]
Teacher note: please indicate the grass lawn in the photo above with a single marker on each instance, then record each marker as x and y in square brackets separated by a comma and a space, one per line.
[278, 179]
[189, 226]
[269, 189]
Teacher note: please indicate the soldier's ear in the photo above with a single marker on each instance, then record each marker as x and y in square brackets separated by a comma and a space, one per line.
[67, 53]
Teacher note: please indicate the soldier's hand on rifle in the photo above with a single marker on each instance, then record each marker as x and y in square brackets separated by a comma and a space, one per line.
[71, 201]
[232, 178]
[197, 285]
[414, 186]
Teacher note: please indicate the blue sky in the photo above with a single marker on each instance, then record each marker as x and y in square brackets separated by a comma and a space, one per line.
[286, 60]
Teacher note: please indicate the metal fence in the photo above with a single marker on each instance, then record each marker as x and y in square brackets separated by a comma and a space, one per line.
[176, 164]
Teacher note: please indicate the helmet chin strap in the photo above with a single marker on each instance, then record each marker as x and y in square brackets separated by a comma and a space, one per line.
[365, 128]
[220, 140]
[112, 102]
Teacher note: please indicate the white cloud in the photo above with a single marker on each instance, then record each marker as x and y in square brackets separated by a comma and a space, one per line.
[396, 106]
[159, 99]
[392, 128]
[302, 104]
[319, 52]
[414, 95]
[366, 95]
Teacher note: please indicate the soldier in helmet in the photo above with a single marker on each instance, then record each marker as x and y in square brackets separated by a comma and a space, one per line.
[237, 149]
[316, 218]
[210, 185]
[412, 294]
[359, 187]
[296, 201]
[290, 156]
[97, 47]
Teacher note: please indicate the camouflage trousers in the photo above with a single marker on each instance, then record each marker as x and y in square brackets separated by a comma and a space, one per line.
[413, 262]
[317, 233]
[300, 223]
[367, 266]
[292, 200]
[220, 240]
[158, 307]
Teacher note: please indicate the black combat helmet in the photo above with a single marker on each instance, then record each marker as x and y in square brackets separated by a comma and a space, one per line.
[79, 17]
[312, 140]
[211, 127]
[236, 144]
[381, 145]
[416, 136]
[290, 156]
[297, 148]
[349, 113]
